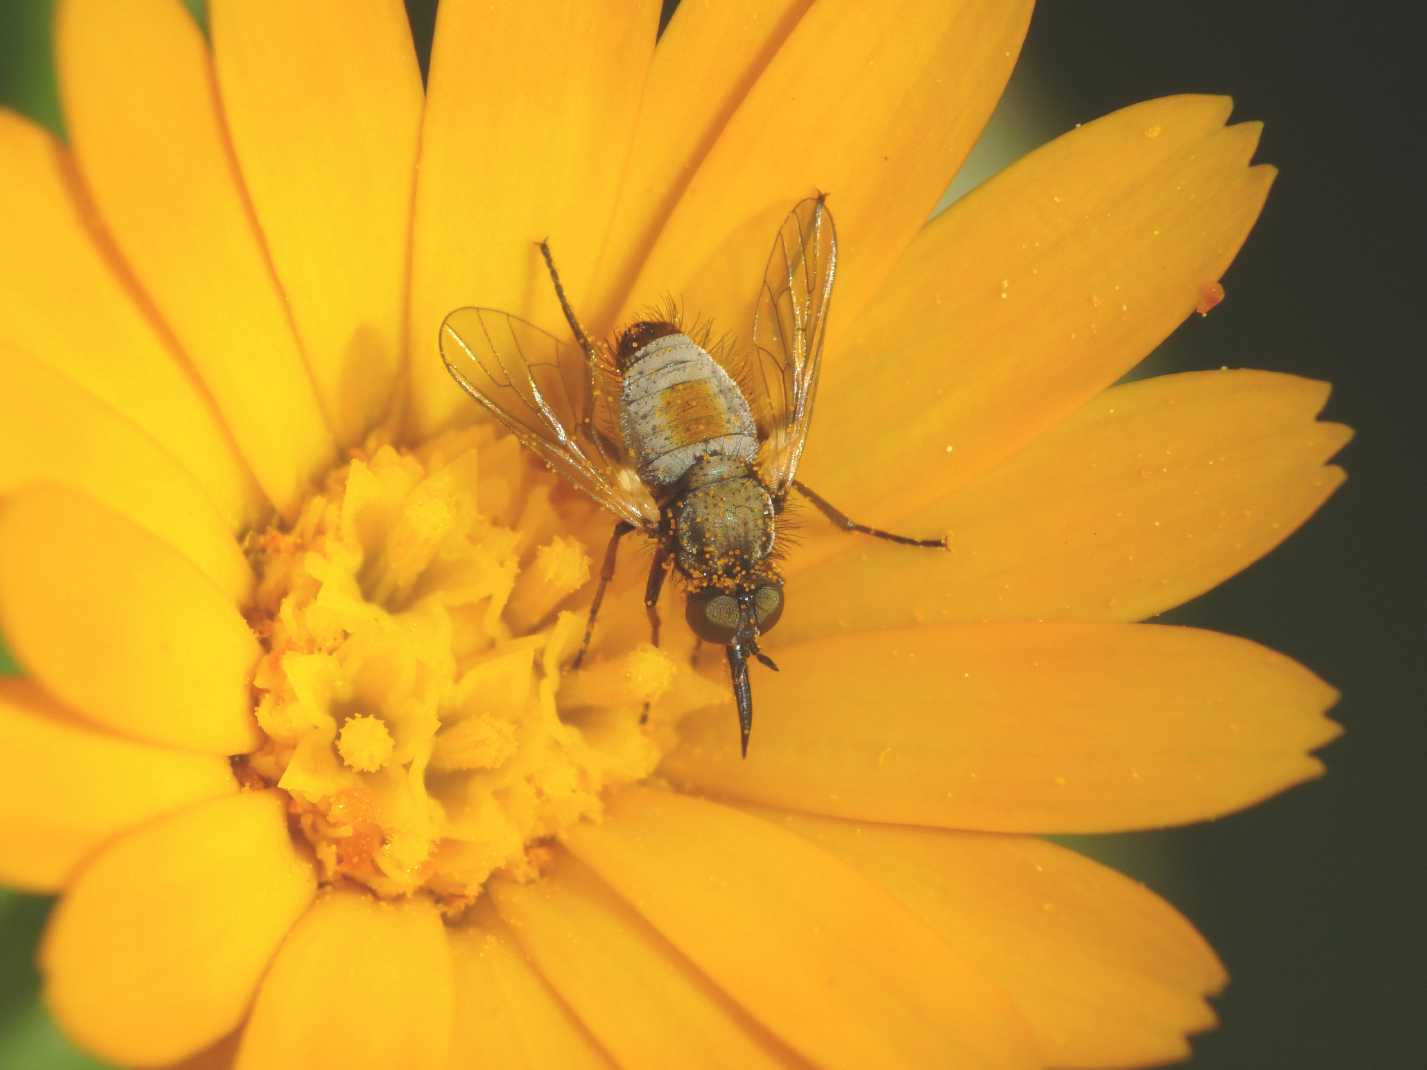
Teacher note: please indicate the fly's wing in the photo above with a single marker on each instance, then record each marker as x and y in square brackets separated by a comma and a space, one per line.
[557, 402]
[788, 326]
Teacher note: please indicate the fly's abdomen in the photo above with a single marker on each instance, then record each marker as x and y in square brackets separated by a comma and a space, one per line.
[677, 405]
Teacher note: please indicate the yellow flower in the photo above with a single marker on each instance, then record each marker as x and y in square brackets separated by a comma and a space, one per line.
[301, 746]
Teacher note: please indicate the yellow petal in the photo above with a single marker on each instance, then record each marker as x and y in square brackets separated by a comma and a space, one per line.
[526, 132]
[644, 1002]
[157, 948]
[1028, 297]
[824, 958]
[1153, 493]
[120, 627]
[137, 84]
[65, 789]
[1106, 972]
[358, 983]
[324, 105]
[56, 431]
[1018, 727]
[62, 301]
[506, 1015]
[704, 66]
[875, 104]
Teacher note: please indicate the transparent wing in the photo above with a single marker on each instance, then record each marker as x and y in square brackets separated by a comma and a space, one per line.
[788, 326]
[557, 402]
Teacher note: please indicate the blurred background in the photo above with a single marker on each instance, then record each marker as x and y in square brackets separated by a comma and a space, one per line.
[1314, 900]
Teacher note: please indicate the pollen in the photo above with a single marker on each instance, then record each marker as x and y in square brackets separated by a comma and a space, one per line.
[420, 620]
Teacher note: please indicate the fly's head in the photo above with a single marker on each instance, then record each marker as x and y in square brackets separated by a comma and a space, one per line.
[734, 613]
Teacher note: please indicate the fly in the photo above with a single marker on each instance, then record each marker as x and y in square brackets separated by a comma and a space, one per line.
[698, 457]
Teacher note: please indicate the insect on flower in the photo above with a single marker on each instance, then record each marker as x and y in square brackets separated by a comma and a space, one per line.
[699, 456]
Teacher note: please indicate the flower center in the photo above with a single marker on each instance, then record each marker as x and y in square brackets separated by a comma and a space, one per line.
[415, 692]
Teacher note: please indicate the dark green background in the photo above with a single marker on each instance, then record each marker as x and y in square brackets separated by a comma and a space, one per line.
[1313, 899]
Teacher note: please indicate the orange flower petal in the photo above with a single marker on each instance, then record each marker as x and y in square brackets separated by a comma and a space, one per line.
[357, 983]
[1151, 494]
[505, 1014]
[155, 950]
[1018, 727]
[58, 432]
[877, 104]
[1031, 295]
[122, 628]
[62, 302]
[642, 1000]
[1106, 972]
[324, 105]
[704, 66]
[137, 85]
[64, 789]
[499, 171]
[829, 962]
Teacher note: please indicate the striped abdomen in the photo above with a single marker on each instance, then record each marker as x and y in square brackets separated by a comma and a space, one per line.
[676, 406]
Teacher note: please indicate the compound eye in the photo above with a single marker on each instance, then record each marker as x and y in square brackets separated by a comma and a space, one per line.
[713, 615]
[767, 606]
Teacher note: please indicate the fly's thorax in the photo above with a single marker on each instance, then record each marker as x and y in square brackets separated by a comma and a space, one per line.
[723, 522]
[677, 406]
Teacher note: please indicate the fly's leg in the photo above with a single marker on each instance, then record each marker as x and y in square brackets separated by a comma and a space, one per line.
[594, 359]
[621, 529]
[591, 352]
[657, 571]
[845, 522]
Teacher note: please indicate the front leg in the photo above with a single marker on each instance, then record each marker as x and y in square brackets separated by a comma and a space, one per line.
[657, 571]
[621, 529]
[845, 522]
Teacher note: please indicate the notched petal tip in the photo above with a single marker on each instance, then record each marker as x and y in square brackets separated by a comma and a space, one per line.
[1241, 140]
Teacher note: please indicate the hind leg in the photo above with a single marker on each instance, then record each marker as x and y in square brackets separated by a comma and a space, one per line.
[846, 523]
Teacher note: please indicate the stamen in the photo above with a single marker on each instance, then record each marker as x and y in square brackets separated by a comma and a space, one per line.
[365, 743]
[641, 676]
[479, 743]
[561, 567]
